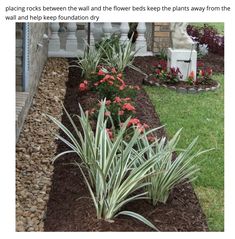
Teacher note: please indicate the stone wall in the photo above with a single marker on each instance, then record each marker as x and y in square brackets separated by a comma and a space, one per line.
[19, 57]
[161, 36]
[38, 51]
[37, 57]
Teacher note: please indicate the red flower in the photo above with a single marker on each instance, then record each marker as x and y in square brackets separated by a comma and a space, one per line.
[110, 133]
[117, 99]
[83, 87]
[200, 64]
[128, 106]
[122, 87]
[133, 121]
[100, 73]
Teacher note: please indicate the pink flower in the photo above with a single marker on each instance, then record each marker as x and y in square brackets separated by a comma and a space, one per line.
[151, 138]
[127, 99]
[107, 113]
[121, 112]
[128, 106]
[122, 87]
[145, 126]
[117, 99]
[119, 75]
[108, 102]
[114, 70]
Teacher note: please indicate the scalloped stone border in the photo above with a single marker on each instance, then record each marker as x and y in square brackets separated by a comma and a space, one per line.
[191, 90]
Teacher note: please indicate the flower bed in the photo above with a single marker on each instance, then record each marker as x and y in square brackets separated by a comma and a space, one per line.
[160, 76]
[70, 207]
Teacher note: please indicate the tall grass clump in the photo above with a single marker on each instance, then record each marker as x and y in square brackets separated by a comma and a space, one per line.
[109, 167]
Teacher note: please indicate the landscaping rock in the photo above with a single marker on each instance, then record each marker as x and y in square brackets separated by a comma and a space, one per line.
[192, 90]
[36, 147]
[182, 90]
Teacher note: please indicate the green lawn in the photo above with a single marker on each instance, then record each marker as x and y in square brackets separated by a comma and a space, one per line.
[218, 25]
[200, 115]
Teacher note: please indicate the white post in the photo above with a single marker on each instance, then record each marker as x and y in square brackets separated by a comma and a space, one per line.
[124, 28]
[71, 43]
[107, 29]
[92, 39]
[54, 43]
[141, 43]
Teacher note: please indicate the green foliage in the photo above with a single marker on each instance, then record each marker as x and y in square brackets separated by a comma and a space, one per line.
[88, 64]
[120, 57]
[109, 167]
[168, 172]
[106, 45]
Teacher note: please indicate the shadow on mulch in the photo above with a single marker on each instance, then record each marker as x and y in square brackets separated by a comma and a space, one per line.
[70, 207]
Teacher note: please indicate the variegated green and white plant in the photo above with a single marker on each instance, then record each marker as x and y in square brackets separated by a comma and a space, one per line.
[109, 167]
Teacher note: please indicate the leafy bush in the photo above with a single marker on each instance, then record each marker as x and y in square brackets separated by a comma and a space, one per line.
[108, 166]
[166, 172]
[209, 36]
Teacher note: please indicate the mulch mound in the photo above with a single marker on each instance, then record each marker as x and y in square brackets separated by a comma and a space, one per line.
[70, 207]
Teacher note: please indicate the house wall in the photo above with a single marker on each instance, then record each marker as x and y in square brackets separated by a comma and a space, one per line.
[38, 52]
[19, 56]
[161, 36]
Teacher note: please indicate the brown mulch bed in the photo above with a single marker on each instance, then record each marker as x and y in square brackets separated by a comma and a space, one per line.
[70, 207]
[214, 61]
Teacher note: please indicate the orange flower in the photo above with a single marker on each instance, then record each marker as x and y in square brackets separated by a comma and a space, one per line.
[191, 75]
[133, 121]
[128, 106]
